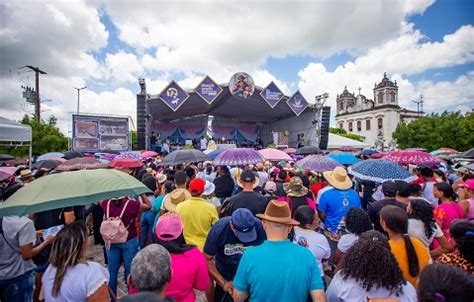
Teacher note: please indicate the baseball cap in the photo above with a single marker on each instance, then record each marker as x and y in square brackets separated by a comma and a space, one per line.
[244, 225]
[247, 176]
[468, 184]
[197, 185]
[169, 226]
[389, 188]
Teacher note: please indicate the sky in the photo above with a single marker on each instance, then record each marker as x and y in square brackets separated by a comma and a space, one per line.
[315, 47]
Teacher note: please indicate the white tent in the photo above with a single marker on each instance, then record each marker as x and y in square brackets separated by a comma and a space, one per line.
[15, 134]
[336, 141]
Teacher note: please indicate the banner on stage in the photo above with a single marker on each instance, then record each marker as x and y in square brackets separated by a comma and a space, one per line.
[208, 90]
[173, 96]
[297, 103]
[272, 94]
[241, 86]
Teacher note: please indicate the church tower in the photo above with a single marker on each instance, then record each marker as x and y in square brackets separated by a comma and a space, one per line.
[386, 92]
[345, 102]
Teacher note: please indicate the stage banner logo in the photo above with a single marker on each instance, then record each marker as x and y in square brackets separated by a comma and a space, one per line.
[208, 90]
[272, 94]
[241, 86]
[173, 96]
[297, 103]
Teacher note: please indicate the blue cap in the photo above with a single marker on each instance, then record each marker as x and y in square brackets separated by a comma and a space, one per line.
[244, 225]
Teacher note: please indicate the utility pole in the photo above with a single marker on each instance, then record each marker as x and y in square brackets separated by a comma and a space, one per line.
[419, 105]
[37, 100]
[319, 104]
[78, 94]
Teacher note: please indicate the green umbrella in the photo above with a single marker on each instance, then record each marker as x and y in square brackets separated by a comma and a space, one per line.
[71, 189]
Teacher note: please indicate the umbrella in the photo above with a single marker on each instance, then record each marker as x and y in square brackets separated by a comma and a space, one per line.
[125, 163]
[184, 156]
[59, 159]
[448, 150]
[81, 163]
[49, 155]
[344, 158]
[72, 154]
[416, 149]
[289, 150]
[132, 155]
[274, 154]
[378, 155]
[317, 163]
[238, 157]
[212, 155]
[347, 149]
[470, 167]
[109, 156]
[468, 154]
[412, 157]
[307, 150]
[369, 152]
[380, 170]
[46, 164]
[4, 157]
[6, 172]
[71, 189]
[146, 154]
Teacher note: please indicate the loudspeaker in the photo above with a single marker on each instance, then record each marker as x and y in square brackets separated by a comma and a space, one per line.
[325, 117]
[141, 122]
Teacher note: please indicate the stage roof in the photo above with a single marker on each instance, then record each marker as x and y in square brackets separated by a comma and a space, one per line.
[256, 109]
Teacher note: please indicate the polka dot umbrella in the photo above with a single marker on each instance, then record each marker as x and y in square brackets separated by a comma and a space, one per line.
[379, 170]
[412, 157]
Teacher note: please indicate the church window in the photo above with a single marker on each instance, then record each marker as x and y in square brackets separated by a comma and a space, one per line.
[341, 125]
[359, 126]
[392, 97]
[380, 97]
[367, 125]
[380, 123]
[350, 126]
[341, 106]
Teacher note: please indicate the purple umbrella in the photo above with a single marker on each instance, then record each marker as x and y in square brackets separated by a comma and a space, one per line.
[131, 155]
[317, 163]
[238, 157]
[109, 156]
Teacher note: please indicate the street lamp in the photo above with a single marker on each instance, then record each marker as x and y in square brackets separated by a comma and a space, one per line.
[78, 93]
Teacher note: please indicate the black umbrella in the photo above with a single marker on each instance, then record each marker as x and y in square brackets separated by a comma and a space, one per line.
[6, 157]
[307, 150]
[468, 154]
[46, 164]
[72, 154]
[184, 156]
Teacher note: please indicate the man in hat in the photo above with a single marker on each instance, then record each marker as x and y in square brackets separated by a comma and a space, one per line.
[197, 214]
[389, 190]
[26, 176]
[334, 202]
[178, 195]
[296, 275]
[225, 245]
[248, 198]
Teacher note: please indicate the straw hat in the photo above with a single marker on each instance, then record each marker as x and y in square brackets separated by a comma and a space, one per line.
[25, 173]
[278, 212]
[338, 178]
[295, 187]
[176, 197]
[161, 178]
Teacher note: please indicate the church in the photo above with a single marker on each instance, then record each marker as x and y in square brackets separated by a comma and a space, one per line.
[375, 119]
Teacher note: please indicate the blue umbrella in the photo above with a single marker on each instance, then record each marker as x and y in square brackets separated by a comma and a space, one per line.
[214, 153]
[50, 155]
[344, 158]
[379, 170]
[369, 152]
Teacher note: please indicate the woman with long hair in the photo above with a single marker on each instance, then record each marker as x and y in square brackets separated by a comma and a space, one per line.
[410, 253]
[370, 271]
[422, 226]
[462, 233]
[70, 277]
[448, 209]
[357, 222]
[188, 264]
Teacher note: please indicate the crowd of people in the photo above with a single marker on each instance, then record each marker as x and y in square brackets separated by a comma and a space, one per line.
[265, 232]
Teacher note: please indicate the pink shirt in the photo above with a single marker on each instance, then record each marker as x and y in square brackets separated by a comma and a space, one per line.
[189, 272]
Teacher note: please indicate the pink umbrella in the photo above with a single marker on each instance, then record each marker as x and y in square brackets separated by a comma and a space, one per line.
[274, 154]
[412, 157]
[147, 154]
[125, 163]
[59, 159]
[6, 172]
[347, 149]
[81, 163]
[289, 150]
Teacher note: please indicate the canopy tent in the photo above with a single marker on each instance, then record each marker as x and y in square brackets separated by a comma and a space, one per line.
[336, 141]
[15, 134]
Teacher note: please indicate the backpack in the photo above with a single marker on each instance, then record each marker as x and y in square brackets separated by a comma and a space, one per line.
[112, 229]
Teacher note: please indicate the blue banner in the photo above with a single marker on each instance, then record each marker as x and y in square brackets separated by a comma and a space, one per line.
[297, 103]
[272, 94]
[208, 90]
[173, 96]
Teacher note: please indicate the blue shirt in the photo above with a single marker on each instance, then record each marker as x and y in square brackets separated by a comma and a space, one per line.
[335, 204]
[278, 271]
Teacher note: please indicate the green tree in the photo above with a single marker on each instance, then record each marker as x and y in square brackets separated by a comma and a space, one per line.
[448, 130]
[46, 138]
[342, 132]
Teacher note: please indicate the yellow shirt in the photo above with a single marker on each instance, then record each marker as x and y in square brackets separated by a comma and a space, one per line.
[399, 251]
[198, 217]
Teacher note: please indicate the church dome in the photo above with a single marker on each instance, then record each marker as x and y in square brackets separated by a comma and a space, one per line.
[346, 93]
[386, 82]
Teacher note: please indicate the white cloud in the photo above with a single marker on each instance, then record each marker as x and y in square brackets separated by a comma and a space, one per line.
[122, 66]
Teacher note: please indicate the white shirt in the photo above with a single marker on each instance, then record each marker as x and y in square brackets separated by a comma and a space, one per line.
[428, 193]
[315, 242]
[416, 228]
[346, 242]
[203, 143]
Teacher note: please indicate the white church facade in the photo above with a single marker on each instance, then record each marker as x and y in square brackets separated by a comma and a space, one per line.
[375, 119]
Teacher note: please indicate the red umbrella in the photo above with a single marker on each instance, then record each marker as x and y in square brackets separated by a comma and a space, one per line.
[447, 150]
[378, 155]
[147, 154]
[412, 157]
[81, 163]
[125, 163]
[347, 149]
